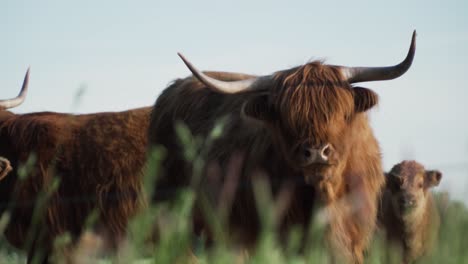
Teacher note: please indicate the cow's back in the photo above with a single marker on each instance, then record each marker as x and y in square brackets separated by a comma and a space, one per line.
[97, 159]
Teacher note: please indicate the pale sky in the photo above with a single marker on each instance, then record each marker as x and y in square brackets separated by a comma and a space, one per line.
[123, 53]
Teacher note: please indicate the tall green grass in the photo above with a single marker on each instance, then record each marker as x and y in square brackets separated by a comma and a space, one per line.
[171, 223]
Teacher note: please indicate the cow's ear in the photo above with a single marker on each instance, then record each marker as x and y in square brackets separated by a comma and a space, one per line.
[258, 108]
[432, 178]
[393, 181]
[364, 99]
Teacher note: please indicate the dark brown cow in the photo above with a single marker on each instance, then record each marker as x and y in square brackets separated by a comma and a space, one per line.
[306, 128]
[408, 213]
[97, 158]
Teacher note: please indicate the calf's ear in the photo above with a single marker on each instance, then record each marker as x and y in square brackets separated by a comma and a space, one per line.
[393, 181]
[258, 108]
[432, 178]
[364, 99]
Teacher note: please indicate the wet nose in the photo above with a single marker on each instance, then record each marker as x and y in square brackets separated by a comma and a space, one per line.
[407, 201]
[313, 155]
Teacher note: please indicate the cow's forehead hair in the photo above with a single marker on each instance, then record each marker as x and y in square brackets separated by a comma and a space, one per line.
[311, 98]
[313, 73]
[408, 170]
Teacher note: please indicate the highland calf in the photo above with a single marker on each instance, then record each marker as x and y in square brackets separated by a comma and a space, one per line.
[306, 129]
[408, 213]
[97, 160]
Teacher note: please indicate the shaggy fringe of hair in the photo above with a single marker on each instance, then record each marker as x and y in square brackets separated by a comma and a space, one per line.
[312, 94]
[407, 168]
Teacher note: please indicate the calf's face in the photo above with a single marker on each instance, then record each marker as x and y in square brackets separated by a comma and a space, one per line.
[409, 183]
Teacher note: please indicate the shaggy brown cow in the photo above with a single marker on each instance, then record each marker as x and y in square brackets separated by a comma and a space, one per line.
[306, 128]
[408, 213]
[97, 158]
[5, 167]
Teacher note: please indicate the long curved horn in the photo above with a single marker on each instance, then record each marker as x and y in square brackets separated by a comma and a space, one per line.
[10, 103]
[366, 74]
[226, 87]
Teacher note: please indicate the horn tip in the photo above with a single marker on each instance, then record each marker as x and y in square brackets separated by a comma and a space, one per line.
[413, 42]
[26, 78]
[181, 55]
[186, 62]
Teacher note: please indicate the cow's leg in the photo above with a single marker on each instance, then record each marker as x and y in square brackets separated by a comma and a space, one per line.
[40, 250]
[38, 256]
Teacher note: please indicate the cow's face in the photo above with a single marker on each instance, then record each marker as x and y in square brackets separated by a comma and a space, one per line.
[311, 110]
[409, 183]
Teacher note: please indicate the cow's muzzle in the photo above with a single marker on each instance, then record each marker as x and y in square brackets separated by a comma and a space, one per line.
[310, 155]
[407, 203]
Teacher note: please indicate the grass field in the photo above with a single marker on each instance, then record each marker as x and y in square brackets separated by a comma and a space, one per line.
[177, 244]
[176, 239]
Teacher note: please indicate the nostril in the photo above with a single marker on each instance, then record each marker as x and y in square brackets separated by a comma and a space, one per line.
[307, 153]
[403, 201]
[326, 151]
[407, 202]
[311, 155]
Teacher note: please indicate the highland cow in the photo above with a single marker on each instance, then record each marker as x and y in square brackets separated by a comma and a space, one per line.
[97, 160]
[408, 212]
[305, 128]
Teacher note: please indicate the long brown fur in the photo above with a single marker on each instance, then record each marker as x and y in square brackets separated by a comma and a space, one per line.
[310, 103]
[414, 233]
[98, 160]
